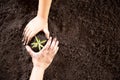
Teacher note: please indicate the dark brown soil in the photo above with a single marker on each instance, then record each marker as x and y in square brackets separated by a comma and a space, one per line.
[40, 36]
[89, 35]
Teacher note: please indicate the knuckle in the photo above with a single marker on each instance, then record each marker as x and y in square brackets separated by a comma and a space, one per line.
[49, 60]
[42, 55]
[51, 47]
[29, 51]
[45, 49]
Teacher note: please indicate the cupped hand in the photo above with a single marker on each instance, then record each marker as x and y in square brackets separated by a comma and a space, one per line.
[36, 25]
[44, 58]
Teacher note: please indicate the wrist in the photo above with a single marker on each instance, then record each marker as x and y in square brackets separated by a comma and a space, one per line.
[38, 68]
[45, 19]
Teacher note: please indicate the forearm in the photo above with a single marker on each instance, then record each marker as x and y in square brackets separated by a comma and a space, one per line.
[37, 73]
[43, 8]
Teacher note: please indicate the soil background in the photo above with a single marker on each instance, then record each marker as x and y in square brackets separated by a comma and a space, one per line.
[89, 35]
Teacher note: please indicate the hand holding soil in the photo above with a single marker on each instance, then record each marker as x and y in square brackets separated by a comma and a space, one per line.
[43, 58]
[36, 25]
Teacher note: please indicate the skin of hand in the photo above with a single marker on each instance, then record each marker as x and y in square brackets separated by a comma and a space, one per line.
[39, 23]
[36, 25]
[41, 60]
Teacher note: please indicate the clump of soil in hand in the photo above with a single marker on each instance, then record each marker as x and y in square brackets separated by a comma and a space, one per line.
[38, 42]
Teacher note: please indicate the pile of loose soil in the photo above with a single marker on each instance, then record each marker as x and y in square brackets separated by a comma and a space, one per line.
[89, 35]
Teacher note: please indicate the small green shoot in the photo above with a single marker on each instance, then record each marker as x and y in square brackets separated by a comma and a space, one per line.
[38, 43]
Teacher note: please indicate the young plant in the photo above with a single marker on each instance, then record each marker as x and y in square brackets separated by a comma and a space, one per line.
[38, 43]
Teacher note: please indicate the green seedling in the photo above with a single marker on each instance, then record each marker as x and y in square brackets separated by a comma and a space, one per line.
[38, 43]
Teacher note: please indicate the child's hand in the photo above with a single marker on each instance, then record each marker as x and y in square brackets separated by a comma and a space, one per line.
[36, 25]
[44, 58]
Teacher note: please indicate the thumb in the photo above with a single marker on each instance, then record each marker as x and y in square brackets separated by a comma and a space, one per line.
[29, 50]
[47, 33]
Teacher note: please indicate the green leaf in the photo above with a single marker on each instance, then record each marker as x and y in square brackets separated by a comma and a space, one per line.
[33, 43]
[43, 41]
[37, 39]
[34, 46]
[41, 46]
[38, 43]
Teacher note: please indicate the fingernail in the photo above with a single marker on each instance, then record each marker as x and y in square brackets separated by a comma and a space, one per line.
[55, 39]
[22, 40]
[50, 38]
[57, 42]
[24, 44]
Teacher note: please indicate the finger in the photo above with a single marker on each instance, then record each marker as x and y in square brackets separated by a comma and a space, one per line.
[30, 36]
[27, 37]
[23, 39]
[56, 51]
[52, 54]
[47, 33]
[56, 45]
[26, 31]
[27, 26]
[53, 44]
[46, 47]
[29, 50]
[23, 36]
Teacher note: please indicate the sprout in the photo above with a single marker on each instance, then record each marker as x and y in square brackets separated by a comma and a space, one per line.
[38, 43]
